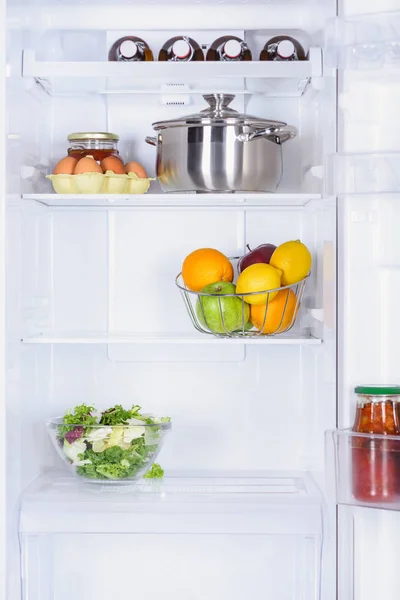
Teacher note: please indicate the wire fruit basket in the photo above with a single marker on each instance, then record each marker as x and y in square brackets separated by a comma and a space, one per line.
[228, 315]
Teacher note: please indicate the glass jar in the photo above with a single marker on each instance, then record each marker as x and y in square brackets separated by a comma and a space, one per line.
[100, 145]
[376, 461]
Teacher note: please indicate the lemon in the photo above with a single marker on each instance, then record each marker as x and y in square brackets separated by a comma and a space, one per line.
[293, 259]
[259, 277]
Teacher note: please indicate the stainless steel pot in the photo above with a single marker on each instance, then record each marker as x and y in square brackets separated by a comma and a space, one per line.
[220, 150]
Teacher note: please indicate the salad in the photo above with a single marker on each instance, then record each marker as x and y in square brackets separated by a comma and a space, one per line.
[110, 445]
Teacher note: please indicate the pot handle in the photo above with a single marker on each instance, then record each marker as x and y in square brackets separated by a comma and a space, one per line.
[276, 134]
[151, 140]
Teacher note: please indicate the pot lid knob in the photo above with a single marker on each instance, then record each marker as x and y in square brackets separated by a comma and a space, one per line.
[218, 102]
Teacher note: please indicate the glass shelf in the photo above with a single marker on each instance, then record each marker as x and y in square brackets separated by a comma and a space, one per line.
[270, 503]
[168, 338]
[229, 201]
[271, 78]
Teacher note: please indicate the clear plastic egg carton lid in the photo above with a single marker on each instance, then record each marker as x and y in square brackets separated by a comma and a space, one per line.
[99, 183]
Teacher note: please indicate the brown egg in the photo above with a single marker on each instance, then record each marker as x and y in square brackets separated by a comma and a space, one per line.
[135, 167]
[87, 165]
[112, 164]
[65, 166]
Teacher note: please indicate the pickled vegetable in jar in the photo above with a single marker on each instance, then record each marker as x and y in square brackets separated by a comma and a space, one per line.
[100, 145]
[376, 461]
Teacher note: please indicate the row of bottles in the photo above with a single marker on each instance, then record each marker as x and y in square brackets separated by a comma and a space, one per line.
[226, 48]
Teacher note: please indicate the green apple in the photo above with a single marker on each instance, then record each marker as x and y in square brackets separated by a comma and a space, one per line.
[222, 314]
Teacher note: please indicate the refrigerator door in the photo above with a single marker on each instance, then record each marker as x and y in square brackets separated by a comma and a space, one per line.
[365, 177]
[5, 519]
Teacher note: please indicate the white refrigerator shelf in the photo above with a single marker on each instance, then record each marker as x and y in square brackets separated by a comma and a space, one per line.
[278, 503]
[145, 201]
[167, 338]
[102, 77]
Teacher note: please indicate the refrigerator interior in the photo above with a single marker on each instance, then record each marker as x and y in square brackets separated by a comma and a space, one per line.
[94, 314]
[95, 304]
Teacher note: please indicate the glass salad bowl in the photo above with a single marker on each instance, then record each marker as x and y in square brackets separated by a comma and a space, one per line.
[105, 454]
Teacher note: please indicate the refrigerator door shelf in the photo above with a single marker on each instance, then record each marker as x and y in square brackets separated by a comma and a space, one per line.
[272, 78]
[368, 41]
[368, 173]
[271, 504]
[367, 469]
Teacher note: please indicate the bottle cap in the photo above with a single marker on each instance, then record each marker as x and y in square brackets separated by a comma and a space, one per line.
[286, 49]
[128, 49]
[232, 48]
[181, 49]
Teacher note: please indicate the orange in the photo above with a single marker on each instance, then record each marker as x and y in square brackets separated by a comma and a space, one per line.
[259, 277]
[205, 266]
[281, 311]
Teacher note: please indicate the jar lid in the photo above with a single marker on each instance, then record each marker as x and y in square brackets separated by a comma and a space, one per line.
[219, 114]
[378, 390]
[90, 135]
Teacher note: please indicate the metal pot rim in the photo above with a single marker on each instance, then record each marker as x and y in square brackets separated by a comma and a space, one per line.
[218, 122]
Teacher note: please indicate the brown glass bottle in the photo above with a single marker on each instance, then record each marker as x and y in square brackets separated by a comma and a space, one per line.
[130, 49]
[229, 48]
[283, 47]
[181, 48]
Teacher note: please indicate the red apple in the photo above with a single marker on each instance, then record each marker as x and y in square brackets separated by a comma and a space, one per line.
[261, 254]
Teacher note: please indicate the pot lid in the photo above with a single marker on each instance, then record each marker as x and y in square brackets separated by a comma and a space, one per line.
[218, 113]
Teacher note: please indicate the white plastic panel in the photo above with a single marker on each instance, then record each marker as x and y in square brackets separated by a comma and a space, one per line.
[181, 15]
[369, 263]
[368, 549]
[232, 566]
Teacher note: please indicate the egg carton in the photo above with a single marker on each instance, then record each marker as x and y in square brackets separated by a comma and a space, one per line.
[99, 183]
